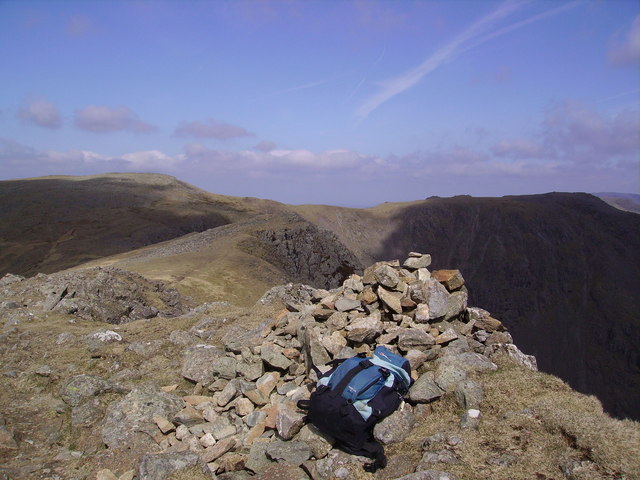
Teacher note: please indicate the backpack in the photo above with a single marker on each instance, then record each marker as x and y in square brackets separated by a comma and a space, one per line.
[353, 396]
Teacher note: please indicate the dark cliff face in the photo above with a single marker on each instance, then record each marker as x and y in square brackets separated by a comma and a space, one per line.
[561, 271]
[306, 253]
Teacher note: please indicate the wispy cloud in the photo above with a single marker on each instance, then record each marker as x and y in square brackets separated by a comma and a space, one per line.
[627, 51]
[483, 30]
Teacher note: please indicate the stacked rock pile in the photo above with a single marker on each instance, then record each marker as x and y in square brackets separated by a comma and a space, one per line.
[243, 420]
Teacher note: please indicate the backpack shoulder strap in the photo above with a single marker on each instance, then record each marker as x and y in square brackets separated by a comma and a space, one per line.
[362, 365]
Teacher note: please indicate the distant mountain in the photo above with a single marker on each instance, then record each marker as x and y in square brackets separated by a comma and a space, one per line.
[629, 202]
[560, 270]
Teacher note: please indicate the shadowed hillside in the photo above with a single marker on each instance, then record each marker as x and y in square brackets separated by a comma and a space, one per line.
[560, 269]
[545, 264]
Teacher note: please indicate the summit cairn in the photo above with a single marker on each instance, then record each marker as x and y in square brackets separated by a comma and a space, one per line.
[243, 414]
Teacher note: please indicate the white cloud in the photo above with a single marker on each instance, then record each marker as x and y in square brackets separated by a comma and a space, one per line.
[210, 129]
[40, 111]
[151, 160]
[627, 51]
[101, 119]
[274, 161]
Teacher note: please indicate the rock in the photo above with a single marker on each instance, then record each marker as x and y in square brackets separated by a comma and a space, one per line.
[81, 387]
[416, 358]
[338, 321]
[208, 440]
[469, 362]
[319, 442]
[288, 422]
[221, 427]
[428, 475]
[106, 474]
[447, 336]
[212, 453]
[313, 347]
[397, 466]
[282, 472]
[258, 461]
[364, 330]
[456, 304]
[160, 466]
[393, 300]
[346, 303]
[87, 413]
[250, 368]
[414, 262]
[272, 356]
[188, 416]
[451, 279]
[483, 320]
[412, 338]
[498, 337]
[422, 313]
[44, 371]
[425, 389]
[7, 440]
[257, 397]
[396, 427]
[514, 353]
[338, 465]
[470, 419]
[268, 382]
[224, 367]
[129, 417]
[95, 340]
[386, 275]
[440, 456]
[290, 293]
[294, 453]
[163, 424]
[199, 363]
[180, 337]
[437, 298]
[354, 282]
[228, 393]
[469, 394]
[64, 337]
[447, 376]
[334, 342]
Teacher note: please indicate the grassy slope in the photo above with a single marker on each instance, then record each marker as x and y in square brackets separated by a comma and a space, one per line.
[52, 223]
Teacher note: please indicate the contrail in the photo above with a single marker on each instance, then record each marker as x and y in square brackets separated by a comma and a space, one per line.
[475, 35]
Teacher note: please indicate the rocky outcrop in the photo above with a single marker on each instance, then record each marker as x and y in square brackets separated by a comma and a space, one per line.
[245, 416]
[107, 295]
[308, 254]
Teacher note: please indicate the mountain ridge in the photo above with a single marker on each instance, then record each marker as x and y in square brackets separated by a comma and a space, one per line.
[536, 261]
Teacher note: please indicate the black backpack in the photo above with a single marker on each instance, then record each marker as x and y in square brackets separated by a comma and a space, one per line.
[356, 394]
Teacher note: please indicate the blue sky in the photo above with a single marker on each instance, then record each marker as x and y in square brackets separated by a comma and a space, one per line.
[338, 102]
